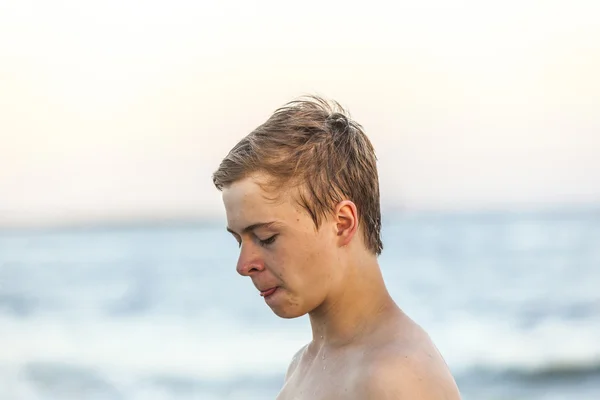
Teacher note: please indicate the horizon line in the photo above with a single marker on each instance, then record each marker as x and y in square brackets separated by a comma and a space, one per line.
[189, 220]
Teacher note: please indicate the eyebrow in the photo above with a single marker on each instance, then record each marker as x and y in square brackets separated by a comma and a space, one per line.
[252, 227]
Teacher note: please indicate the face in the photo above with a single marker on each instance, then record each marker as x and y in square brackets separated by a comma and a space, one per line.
[290, 262]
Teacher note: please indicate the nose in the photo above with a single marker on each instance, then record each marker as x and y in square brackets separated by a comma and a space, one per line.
[249, 261]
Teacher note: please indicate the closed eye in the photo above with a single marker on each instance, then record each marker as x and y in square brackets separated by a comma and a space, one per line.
[268, 241]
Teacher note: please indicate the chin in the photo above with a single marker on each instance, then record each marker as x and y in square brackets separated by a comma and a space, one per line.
[288, 312]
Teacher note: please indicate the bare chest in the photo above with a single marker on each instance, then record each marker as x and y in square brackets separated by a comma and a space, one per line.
[321, 379]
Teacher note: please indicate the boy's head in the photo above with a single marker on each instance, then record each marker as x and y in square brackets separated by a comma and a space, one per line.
[298, 190]
[313, 146]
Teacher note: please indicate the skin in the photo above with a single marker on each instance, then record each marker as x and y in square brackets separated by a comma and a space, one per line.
[363, 345]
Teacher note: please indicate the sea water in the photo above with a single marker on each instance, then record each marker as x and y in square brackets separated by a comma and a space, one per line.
[512, 300]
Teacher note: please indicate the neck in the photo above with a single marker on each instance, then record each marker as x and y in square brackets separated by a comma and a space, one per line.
[354, 306]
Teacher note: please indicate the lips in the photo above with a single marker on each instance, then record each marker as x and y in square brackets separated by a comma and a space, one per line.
[268, 292]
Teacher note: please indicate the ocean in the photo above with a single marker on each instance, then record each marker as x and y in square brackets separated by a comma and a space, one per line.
[512, 301]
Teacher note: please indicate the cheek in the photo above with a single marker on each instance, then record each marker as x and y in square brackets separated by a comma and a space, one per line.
[304, 260]
[317, 262]
[291, 263]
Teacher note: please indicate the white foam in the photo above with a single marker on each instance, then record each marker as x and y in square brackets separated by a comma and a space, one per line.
[466, 343]
[220, 349]
[209, 349]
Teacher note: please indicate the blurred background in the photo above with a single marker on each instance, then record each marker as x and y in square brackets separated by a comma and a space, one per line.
[117, 277]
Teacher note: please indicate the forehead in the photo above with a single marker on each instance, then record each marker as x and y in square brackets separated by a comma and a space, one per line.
[247, 202]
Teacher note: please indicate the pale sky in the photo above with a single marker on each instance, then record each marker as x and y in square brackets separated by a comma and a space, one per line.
[123, 109]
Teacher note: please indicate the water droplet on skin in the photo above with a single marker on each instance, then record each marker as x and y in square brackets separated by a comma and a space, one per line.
[324, 366]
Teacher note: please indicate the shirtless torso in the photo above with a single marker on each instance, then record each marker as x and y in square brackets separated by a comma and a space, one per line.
[395, 361]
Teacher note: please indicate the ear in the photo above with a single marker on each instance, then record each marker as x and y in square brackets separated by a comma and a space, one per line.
[346, 218]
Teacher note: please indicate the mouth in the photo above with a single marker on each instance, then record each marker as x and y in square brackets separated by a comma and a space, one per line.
[268, 292]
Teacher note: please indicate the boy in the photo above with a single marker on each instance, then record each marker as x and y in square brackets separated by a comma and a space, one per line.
[301, 194]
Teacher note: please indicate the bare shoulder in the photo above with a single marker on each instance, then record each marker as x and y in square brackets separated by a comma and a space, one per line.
[294, 363]
[399, 370]
[395, 378]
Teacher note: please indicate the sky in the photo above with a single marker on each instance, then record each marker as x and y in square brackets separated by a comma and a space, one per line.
[121, 110]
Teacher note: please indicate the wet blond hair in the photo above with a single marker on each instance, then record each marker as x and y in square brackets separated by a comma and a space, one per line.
[313, 144]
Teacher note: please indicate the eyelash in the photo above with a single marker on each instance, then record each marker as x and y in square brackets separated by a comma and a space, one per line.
[263, 243]
[268, 241]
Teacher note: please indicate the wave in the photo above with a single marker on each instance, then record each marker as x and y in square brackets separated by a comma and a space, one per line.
[45, 380]
[492, 343]
[208, 347]
[552, 373]
[562, 372]
[166, 358]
